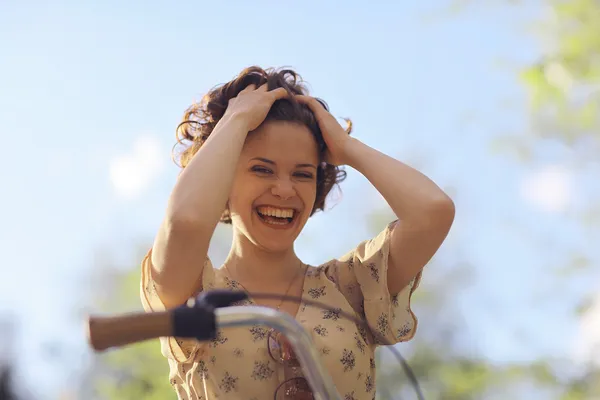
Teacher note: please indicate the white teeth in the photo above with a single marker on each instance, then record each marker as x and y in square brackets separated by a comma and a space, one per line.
[276, 212]
[276, 222]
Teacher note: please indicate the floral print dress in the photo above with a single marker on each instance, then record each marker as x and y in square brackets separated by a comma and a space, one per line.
[237, 365]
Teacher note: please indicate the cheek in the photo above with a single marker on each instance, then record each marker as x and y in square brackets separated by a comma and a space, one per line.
[245, 191]
[309, 194]
[237, 196]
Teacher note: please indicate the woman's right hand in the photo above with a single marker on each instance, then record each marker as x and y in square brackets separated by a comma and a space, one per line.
[252, 105]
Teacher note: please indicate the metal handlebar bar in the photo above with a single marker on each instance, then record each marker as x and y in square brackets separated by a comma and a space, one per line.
[317, 376]
[201, 322]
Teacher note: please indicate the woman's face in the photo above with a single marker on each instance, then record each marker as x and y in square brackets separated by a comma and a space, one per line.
[274, 188]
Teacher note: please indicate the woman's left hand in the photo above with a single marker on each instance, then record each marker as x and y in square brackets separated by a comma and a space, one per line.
[336, 137]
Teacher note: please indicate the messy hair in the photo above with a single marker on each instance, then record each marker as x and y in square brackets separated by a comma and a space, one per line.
[200, 119]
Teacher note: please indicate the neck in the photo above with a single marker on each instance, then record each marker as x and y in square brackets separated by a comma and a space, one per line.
[251, 263]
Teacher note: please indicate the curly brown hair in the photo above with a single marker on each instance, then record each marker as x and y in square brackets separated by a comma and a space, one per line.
[200, 119]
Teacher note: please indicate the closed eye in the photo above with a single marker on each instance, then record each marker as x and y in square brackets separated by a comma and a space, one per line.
[304, 175]
[261, 170]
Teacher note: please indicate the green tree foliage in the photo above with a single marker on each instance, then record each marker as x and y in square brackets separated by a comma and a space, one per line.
[135, 372]
[448, 367]
[564, 85]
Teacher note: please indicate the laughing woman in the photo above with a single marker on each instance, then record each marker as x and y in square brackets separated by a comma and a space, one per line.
[262, 155]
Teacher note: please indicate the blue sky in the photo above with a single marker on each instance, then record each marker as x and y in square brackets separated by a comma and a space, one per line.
[90, 94]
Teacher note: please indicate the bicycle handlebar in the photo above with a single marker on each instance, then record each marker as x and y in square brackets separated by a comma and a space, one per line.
[201, 320]
[317, 376]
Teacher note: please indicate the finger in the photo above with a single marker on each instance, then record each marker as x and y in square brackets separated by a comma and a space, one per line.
[279, 93]
[312, 103]
[263, 88]
[309, 101]
[249, 88]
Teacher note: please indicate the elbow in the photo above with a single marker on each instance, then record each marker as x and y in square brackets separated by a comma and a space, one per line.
[445, 205]
[441, 212]
[446, 211]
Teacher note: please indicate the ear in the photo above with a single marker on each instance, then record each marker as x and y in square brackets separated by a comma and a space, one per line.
[226, 215]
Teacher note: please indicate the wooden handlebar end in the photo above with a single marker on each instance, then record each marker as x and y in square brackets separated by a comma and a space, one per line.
[106, 332]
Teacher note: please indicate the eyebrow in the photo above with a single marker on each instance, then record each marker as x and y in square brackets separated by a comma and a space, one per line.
[267, 161]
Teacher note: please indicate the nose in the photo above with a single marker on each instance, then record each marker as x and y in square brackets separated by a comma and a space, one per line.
[284, 189]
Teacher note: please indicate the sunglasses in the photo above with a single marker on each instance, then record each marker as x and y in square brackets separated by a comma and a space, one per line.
[295, 386]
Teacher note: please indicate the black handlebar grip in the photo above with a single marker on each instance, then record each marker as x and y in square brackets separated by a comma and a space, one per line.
[199, 321]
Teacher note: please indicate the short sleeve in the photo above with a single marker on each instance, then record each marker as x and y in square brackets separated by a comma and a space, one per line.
[361, 276]
[181, 350]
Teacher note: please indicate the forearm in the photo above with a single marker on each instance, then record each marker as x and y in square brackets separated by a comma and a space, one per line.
[425, 212]
[194, 209]
[201, 191]
[411, 195]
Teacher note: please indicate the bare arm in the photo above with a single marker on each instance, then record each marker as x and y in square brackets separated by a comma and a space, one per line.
[425, 212]
[194, 209]
[200, 195]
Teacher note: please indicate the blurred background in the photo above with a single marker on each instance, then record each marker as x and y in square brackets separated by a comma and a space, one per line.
[496, 101]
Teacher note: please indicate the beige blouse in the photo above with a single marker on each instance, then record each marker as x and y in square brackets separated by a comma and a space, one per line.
[237, 365]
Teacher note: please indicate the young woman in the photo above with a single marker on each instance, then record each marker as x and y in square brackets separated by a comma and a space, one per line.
[262, 155]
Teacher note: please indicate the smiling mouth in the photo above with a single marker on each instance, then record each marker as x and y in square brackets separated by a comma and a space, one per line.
[276, 216]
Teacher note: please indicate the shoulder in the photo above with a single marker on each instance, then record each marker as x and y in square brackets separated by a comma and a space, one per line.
[336, 271]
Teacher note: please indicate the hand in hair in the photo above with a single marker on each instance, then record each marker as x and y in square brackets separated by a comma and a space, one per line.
[336, 137]
[252, 105]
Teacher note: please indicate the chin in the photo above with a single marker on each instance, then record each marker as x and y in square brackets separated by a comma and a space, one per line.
[273, 246]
